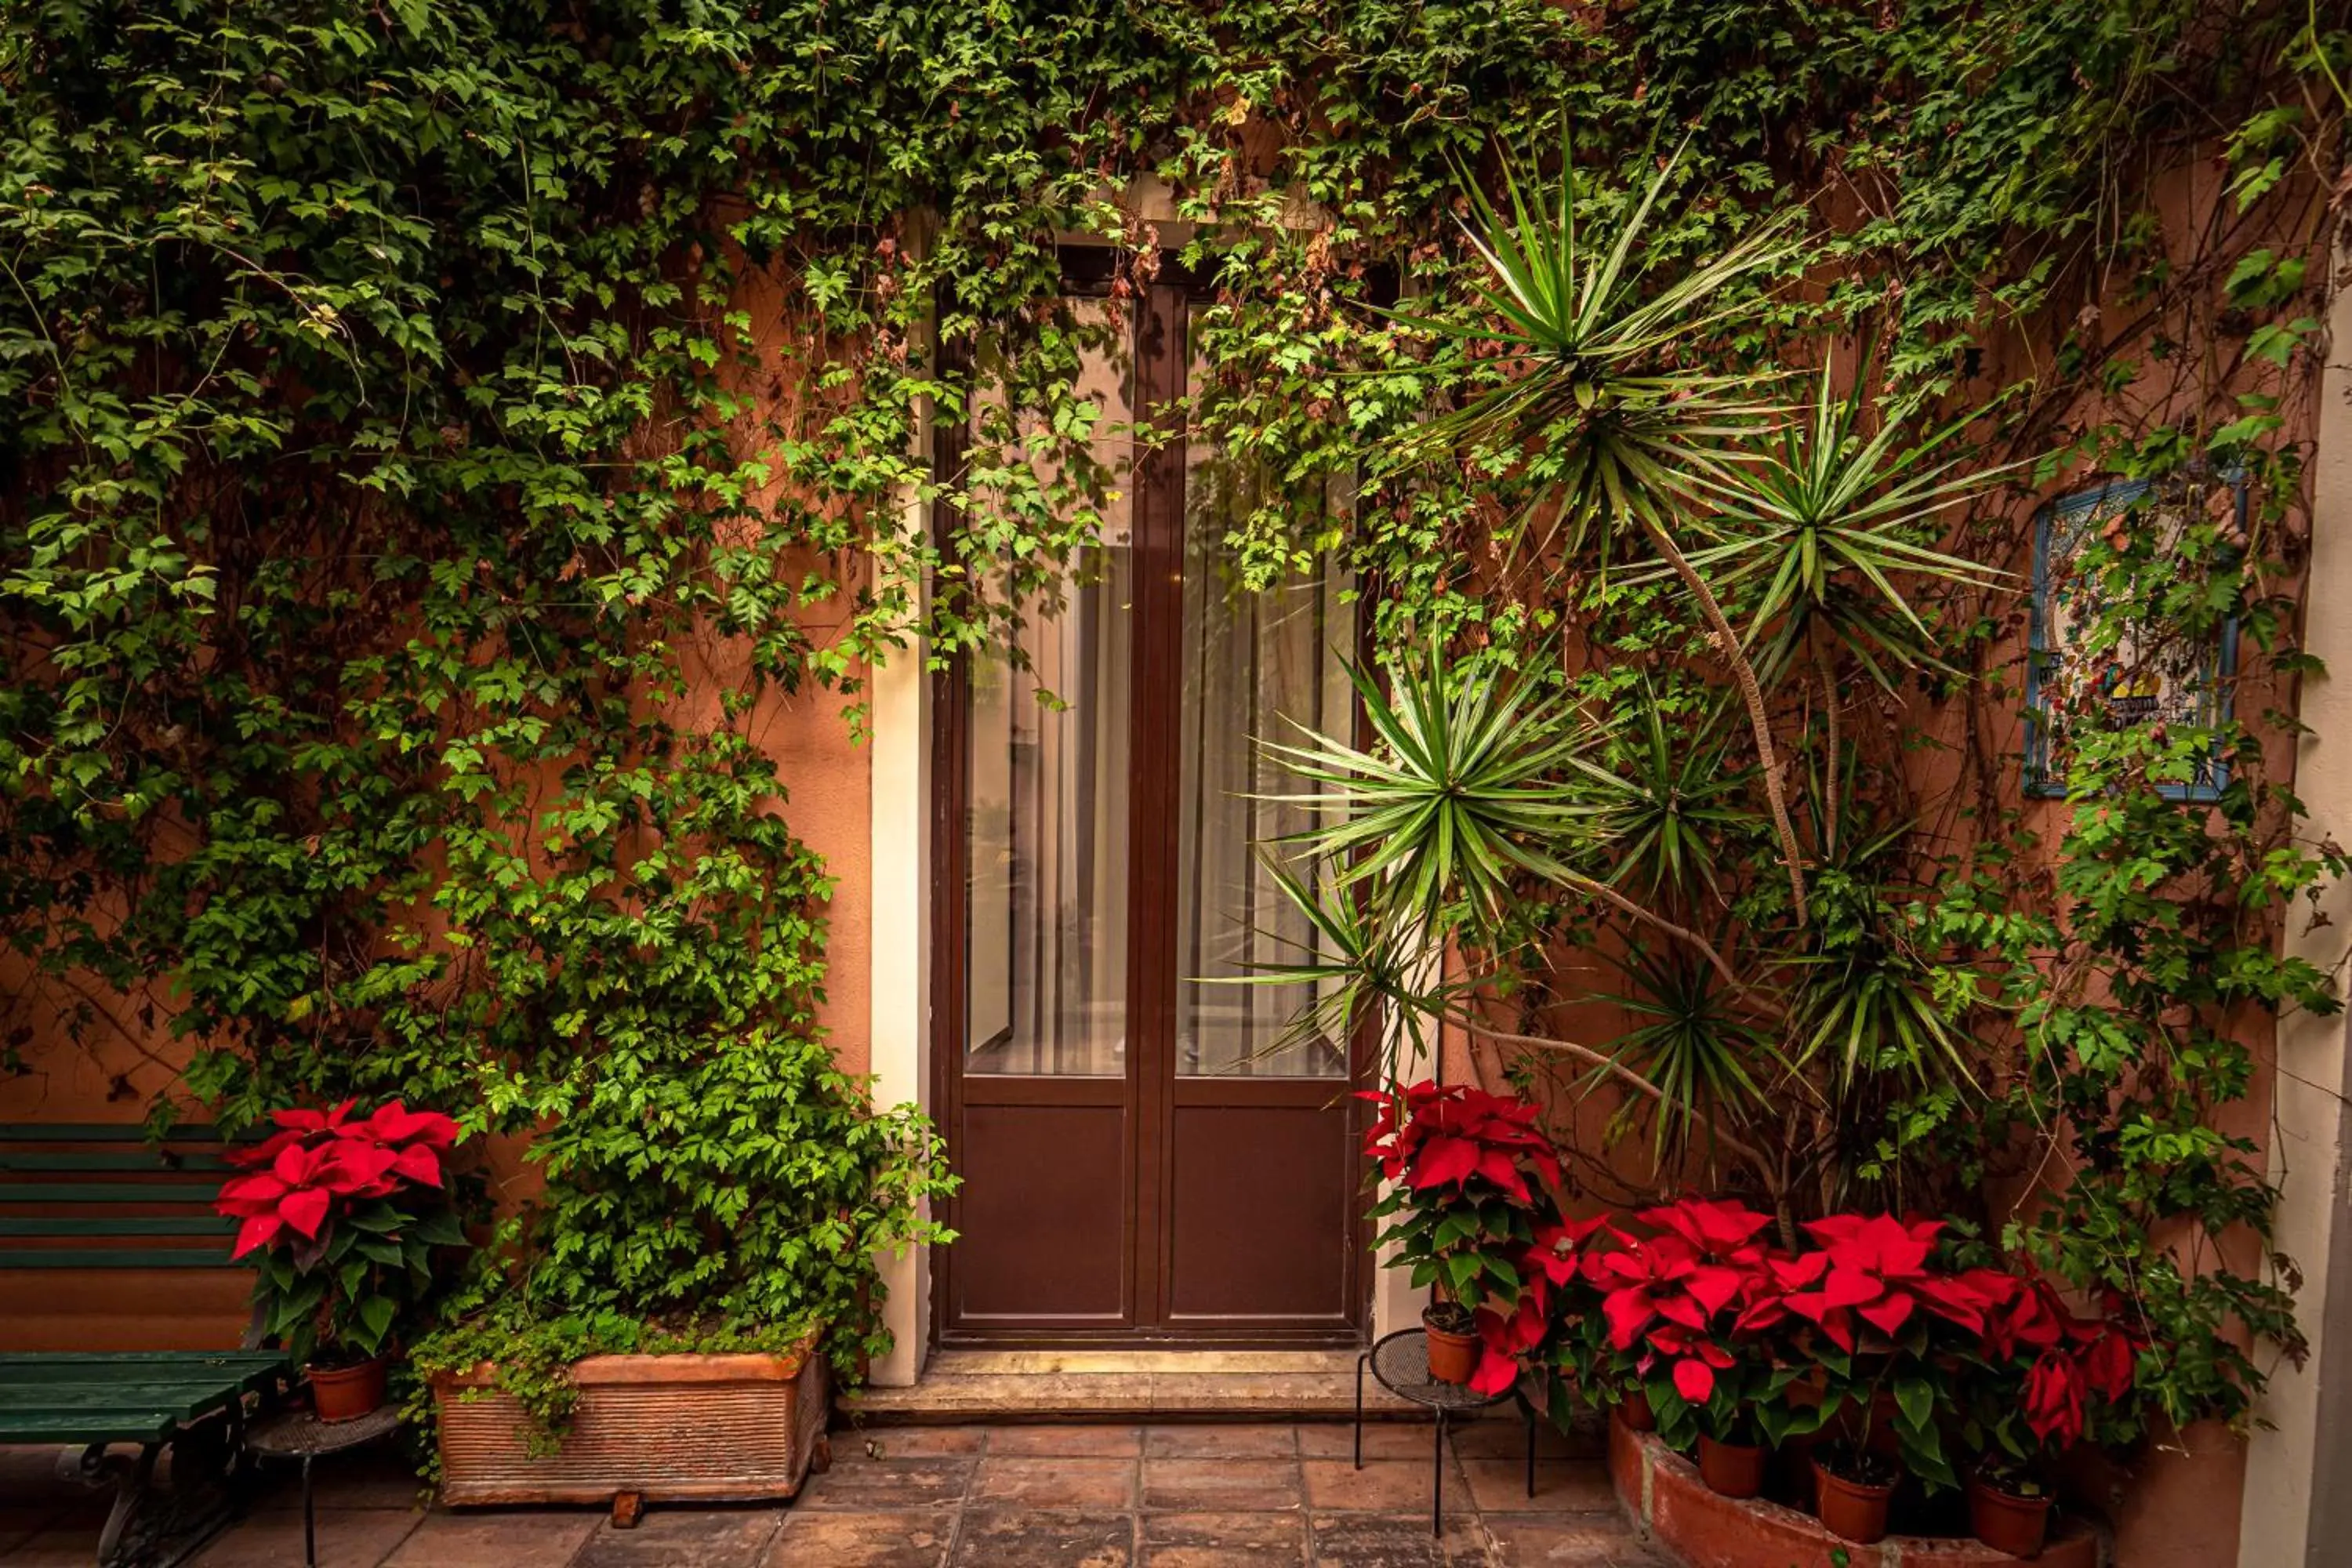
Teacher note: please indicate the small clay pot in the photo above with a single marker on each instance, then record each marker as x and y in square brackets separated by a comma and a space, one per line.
[1635, 1411]
[1453, 1356]
[1856, 1510]
[1731, 1470]
[347, 1393]
[2017, 1525]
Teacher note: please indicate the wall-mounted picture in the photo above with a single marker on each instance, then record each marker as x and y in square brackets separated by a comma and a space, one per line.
[2073, 687]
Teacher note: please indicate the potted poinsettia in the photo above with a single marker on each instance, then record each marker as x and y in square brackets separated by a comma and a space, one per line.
[1674, 1298]
[1887, 1324]
[2044, 1380]
[339, 1215]
[1469, 1177]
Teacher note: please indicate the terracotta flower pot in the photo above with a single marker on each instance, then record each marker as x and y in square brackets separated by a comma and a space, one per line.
[347, 1393]
[1854, 1510]
[2017, 1525]
[1453, 1356]
[1635, 1411]
[1731, 1470]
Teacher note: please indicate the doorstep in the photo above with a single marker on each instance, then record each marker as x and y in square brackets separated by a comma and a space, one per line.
[971, 1385]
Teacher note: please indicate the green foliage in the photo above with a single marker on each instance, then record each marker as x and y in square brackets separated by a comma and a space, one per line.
[442, 437]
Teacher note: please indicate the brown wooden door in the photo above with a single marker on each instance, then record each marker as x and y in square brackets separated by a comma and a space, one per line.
[1146, 1152]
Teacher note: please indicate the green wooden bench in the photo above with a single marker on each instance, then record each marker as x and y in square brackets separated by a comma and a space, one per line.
[99, 1196]
[91, 1197]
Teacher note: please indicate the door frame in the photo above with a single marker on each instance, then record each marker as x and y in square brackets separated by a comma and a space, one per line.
[1148, 1091]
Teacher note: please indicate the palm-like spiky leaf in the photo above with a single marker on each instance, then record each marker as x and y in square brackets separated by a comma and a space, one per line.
[1472, 783]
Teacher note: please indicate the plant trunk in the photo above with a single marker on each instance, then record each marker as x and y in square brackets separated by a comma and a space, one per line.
[1752, 690]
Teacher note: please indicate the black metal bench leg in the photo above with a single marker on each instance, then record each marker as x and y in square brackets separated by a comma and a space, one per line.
[129, 1487]
[309, 1520]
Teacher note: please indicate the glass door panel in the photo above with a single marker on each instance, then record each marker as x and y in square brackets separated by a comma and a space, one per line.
[1046, 813]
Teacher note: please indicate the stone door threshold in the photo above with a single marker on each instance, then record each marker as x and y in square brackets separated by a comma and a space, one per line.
[969, 1386]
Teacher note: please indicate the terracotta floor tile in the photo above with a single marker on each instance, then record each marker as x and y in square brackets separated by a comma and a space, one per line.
[1506, 1438]
[373, 1479]
[880, 1485]
[520, 1538]
[1072, 1442]
[1562, 1485]
[918, 1540]
[1383, 1486]
[911, 1442]
[1387, 1541]
[1568, 1540]
[1028, 1538]
[1217, 1440]
[1382, 1440]
[1220, 1486]
[1223, 1539]
[358, 1538]
[1037, 1482]
[679, 1537]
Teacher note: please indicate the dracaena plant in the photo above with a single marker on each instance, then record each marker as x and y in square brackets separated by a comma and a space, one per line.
[340, 1215]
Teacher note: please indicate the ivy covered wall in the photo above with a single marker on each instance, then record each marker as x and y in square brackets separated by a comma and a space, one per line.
[448, 449]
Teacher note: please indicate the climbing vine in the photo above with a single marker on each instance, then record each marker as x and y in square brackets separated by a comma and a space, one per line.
[441, 436]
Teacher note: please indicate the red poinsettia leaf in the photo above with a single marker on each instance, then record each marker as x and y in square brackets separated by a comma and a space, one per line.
[256, 1193]
[417, 1163]
[1847, 1288]
[1714, 1287]
[1682, 1309]
[306, 1210]
[259, 1230]
[1887, 1314]
[1805, 1269]
[1497, 1373]
[1694, 1381]
[1443, 1161]
[1626, 1311]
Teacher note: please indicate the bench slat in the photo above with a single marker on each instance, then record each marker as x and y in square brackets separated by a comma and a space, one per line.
[115, 1258]
[71, 1427]
[82, 1366]
[103, 1132]
[187, 1399]
[106, 1160]
[109, 1191]
[118, 1224]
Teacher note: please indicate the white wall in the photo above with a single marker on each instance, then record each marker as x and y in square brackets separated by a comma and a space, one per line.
[2307, 1147]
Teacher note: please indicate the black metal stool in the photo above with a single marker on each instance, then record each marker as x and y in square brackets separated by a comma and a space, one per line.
[298, 1435]
[1401, 1361]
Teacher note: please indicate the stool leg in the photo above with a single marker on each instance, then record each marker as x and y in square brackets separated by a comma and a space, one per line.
[1360, 1412]
[1438, 1487]
[309, 1520]
[1531, 1450]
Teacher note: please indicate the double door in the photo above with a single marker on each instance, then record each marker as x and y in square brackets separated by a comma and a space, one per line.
[1149, 1149]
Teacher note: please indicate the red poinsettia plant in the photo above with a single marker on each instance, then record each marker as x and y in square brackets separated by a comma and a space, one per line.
[1471, 1179]
[339, 1213]
[2045, 1380]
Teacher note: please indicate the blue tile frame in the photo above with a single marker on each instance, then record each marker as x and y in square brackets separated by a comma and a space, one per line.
[2220, 667]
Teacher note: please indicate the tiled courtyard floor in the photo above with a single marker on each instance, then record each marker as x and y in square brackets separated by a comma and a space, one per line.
[964, 1497]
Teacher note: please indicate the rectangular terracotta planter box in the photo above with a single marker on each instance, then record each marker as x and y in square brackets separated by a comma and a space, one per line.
[662, 1427]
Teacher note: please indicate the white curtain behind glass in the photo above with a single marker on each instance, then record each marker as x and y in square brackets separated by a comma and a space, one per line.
[1255, 664]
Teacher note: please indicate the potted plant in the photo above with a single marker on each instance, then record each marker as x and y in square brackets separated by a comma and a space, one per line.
[666, 1318]
[1686, 1299]
[1854, 1491]
[2044, 1380]
[1468, 1191]
[340, 1215]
